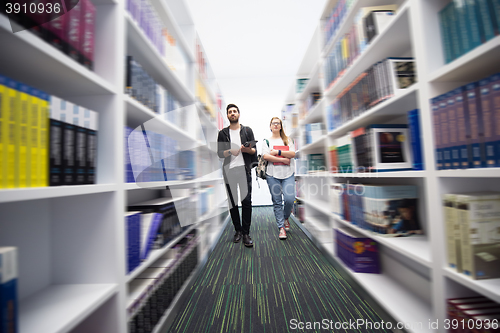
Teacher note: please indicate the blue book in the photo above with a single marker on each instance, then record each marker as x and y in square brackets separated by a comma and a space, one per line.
[487, 19]
[460, 10]
[150, 224]
[473, 104]
[445, 136]
[473, 23]
[489, 137]
[463, 128]
[495, 4]
[495, 96]
[453, 130]
[456, 46]
[9, 321]
[445, 34]
[133, 229]
[437, 132]
[415, 136]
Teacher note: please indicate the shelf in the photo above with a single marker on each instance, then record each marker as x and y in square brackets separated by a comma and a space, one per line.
[489, 288]
[470, 173]
[152, 62]
[312, 84]
[173, 183]
[385, 111]
[60, 308]
[30, 60]
[34, 193]
[205, 117]
[369, 175]
[398, 301]
[474, 65]
[315, 114]
[394, 41]
[316, 144]
[138, 114]
[415, 247]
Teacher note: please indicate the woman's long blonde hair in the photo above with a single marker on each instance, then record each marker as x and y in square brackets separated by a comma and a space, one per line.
[282, 131]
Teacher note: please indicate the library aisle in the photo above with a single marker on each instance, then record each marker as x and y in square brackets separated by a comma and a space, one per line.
[276, 286]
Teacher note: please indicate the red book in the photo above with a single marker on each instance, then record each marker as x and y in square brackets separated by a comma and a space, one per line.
[282, 148]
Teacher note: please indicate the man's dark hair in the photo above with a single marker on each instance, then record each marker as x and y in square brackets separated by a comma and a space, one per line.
[232, 106]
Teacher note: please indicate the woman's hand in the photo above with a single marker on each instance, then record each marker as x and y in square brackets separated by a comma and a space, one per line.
[286, 161]
[274, 152]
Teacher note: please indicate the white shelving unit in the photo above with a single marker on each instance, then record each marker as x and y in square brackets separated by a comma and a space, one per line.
[415, 281]
[71, 239]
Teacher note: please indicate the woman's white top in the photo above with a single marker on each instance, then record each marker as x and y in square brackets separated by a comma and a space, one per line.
[279, 171]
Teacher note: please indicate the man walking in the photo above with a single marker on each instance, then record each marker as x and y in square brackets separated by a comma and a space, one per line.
[236, 147]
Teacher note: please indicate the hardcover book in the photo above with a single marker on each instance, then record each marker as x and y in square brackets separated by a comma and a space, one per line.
[9, 321]
[479, 216]
[282, 148]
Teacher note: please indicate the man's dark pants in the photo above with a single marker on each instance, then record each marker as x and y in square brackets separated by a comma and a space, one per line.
[238, 177]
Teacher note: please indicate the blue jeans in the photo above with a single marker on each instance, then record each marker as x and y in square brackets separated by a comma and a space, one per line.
[282, 190]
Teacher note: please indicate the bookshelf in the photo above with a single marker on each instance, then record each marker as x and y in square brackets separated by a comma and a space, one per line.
[71, 239]
[415, 280]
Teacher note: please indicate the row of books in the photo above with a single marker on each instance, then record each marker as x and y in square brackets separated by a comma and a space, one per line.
[313, 132]
[369, 22]
[379, 147]
[9, 303]
[473, 233]
[332, 22]
[151, 156]
[473, 315]
[311, 100]
[145, 15]
[152, 292]
[143, 88]
[389, 210]
[301, 84]
[45, 141]
[359, 253]
[72, 32]
[380, 82]
[466, 24]
[152, 224]
[467, 125]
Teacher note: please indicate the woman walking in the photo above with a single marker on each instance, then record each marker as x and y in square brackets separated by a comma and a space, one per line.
[279, 151]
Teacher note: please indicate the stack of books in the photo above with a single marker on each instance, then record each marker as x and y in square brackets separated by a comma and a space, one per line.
[466, 24]
[313, 132]
[380, 82]
[359, 253]
[473, 314]
[466, 122]
[473, 233]
[388, 210]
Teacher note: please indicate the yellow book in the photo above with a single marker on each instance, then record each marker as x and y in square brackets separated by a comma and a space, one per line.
[3, 132]
[13, 131]
[43, 161]
[345, 49]
[24, 156]
[34, 137]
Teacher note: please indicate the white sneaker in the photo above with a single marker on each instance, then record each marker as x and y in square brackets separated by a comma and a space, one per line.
[282, 234]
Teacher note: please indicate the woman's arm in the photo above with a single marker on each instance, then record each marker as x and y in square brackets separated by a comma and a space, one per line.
[284, 153]
[275, 159]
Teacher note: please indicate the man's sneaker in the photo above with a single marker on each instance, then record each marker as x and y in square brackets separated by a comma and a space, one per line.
[282, 234]
[247, 241]
[287, 225]
[237, 237]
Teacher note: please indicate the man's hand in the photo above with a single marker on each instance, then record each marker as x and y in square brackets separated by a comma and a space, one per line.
[247, 150]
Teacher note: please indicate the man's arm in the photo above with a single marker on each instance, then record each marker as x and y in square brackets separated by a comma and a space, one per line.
[222, 150]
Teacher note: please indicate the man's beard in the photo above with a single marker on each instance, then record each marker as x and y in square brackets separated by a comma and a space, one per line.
[233, 121]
